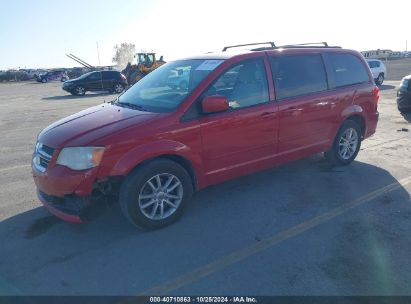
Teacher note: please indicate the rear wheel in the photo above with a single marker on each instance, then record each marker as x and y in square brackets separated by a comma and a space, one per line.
[346, 144]
[156, 194]
[380, 79]
[118, 88]
[44, 80]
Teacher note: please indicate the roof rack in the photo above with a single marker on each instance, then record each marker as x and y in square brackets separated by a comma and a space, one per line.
[233, 46]
[298, 45]
[323, 44]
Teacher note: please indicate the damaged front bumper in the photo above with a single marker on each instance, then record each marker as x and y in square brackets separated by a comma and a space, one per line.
[70, 208]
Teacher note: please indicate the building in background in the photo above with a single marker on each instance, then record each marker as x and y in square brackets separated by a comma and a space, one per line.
[385, 54]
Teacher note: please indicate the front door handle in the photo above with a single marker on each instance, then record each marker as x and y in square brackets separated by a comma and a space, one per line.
[268, 114]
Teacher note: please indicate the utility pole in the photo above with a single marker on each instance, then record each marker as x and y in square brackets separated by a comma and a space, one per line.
[98, 55]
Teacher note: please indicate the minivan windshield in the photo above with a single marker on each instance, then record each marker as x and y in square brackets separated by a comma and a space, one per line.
[164, 89]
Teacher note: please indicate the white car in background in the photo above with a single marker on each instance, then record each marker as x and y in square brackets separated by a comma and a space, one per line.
[378, 70]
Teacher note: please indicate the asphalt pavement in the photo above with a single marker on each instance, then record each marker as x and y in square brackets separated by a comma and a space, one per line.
[304, 228]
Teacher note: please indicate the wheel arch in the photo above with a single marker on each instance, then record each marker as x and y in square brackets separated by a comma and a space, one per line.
[174, 151]
[355, 113]
[182, 161]
[359, 119]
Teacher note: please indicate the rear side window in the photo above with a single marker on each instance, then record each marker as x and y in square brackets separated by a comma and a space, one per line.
[298, 75]
[110, 75]
[94, 76]
[345, 70]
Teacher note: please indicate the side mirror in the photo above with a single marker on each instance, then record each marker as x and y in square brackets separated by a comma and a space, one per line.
[214, 104]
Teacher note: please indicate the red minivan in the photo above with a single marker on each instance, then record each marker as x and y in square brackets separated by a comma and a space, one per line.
[240, 113]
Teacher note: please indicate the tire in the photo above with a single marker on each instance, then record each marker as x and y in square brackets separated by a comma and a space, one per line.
[118, 88]
[44, 80]
[142, 204]
[336, 154]
[79, 90]
[404, 110]
[380, 79]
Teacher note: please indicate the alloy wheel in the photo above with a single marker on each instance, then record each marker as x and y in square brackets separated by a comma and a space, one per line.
[348, 143]
[160, 196]
[118, 88]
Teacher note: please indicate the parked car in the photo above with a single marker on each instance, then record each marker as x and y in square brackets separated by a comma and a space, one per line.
[30, 73]
[112, 81]
[404, 95]
[154, 145]
[378, 70]
[52, 76]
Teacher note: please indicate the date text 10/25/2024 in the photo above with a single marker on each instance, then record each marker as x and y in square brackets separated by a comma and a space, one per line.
[203, 299]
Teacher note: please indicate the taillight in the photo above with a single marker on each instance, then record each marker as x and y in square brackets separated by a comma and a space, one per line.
[376, 96]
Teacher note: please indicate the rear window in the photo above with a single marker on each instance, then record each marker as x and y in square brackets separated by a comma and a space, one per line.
[374, 64]
[345, 69]
[298, 75]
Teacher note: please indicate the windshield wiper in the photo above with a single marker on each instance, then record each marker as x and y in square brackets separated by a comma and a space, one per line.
[113, 101]
[130, 105]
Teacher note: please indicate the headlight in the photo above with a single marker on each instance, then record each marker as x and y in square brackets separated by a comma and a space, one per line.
[80, 158]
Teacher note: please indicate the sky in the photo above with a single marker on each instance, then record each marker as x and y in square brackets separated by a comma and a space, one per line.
[38, 34]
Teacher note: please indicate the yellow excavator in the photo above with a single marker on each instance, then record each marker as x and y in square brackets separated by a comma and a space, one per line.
[146, 63]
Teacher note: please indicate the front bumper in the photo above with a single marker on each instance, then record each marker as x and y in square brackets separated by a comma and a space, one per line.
[71, 209]
[64, 192]
[68, 88]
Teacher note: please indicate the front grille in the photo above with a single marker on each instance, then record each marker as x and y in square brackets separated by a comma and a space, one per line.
[48, 150]
[44, 162]
[42, 157]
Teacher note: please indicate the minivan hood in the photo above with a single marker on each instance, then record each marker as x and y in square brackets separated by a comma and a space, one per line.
[91, 124]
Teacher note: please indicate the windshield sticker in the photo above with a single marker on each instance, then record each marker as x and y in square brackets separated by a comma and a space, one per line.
[209, 65]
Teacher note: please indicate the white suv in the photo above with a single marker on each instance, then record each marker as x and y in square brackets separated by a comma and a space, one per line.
[379, 72]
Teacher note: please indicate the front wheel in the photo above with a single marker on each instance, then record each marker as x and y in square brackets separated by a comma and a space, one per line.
[156, 194]
[44, 80]
[118, 88]
[346, 144]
